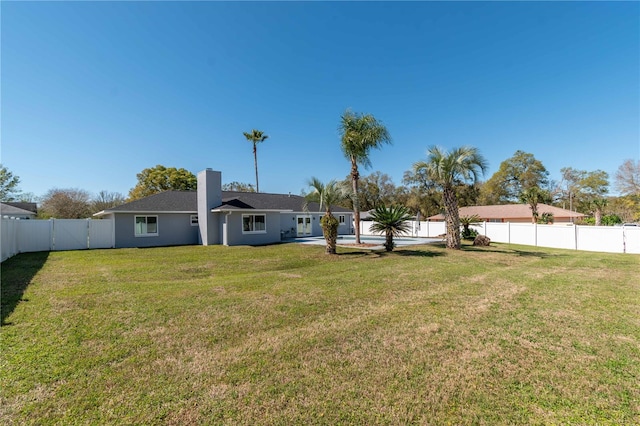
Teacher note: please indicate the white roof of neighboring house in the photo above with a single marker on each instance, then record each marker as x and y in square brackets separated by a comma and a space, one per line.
[511, 211]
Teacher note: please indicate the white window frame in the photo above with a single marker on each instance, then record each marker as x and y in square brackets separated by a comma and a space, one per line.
[145, 234]
[253, 224]
[194, 220]
[342, 219]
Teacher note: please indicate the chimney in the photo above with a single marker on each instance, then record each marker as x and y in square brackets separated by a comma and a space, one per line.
[209, 197]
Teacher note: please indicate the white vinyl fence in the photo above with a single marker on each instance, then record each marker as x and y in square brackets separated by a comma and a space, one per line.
[21, 236]
[610, 239]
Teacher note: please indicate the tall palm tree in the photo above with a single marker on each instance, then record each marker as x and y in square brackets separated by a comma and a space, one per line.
[533, 196]
[446, 170]
[326, 195]
[392, 221]
[255, 137]
[359, 134]
[598, 207]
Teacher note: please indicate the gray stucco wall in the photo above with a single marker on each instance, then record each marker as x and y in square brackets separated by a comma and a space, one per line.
[288, 221]
[233, 224]
[173, 229]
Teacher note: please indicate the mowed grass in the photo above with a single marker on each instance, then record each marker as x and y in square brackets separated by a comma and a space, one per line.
[287, 335]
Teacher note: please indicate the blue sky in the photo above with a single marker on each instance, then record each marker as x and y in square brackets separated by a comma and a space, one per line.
[94, 92]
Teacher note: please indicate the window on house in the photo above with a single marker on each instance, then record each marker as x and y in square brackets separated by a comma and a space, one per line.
[254, 223]
[146, 226]
[194, 220]
[341, 219]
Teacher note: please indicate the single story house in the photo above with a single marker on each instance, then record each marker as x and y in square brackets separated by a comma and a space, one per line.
[514, 213]
[211, 216]
[18, 210]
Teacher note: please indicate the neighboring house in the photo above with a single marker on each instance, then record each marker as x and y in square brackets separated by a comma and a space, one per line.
[211, 216]
[514, 213]
[16, 211]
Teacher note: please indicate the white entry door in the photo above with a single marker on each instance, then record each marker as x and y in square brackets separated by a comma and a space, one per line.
[304, 225]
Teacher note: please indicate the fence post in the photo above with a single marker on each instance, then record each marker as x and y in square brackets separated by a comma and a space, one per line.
[535, 234]
[509, 232]
[575, 236]
[52, 233]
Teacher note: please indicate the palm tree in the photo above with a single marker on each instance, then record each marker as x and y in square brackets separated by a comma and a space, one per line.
[360, 133]
[326, 195]
[466, 222]
[598, 207]
[392, 221]
[446, 170]
[533, 196]
[255, 137]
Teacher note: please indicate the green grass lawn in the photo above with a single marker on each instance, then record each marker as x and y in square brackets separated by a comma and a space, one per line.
[287, 335]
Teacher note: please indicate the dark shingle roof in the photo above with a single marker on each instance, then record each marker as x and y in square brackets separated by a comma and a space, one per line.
[8, 209]
[168, 201]
[187, 201]
[32, 207]
[261, 201]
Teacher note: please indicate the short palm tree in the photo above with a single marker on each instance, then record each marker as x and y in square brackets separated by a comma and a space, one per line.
[446, 170]
[392, 221]
[466, 222]
[326, 195]
[255, 137]
[360, 133]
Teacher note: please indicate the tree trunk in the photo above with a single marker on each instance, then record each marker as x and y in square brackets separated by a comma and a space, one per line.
[534, 213]
[598, 216]
[388, 245]
[452, 218]
[356, 202]
[329, 226]
[255, 163]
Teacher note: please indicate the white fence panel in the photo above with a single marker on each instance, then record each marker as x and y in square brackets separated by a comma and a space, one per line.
[9, 242]
[498, 232]
[600, 238]
[631, 239]
[556, 236]
[101, 234]
[23, 236]
[70, 234]
[34, 235]
[522, 233]
[418, 229]
[432, 229]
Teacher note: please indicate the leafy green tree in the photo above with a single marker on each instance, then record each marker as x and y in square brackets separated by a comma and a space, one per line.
[8, 185]
[373, 190]
[580, 188]
[533, 196]
[446, 170]
[360, 133]
[327, 195]
[69, 203]
[160, 178]
[255, 137]
[611, 219]
[392, 222]
[239, 187]
[515, 175]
